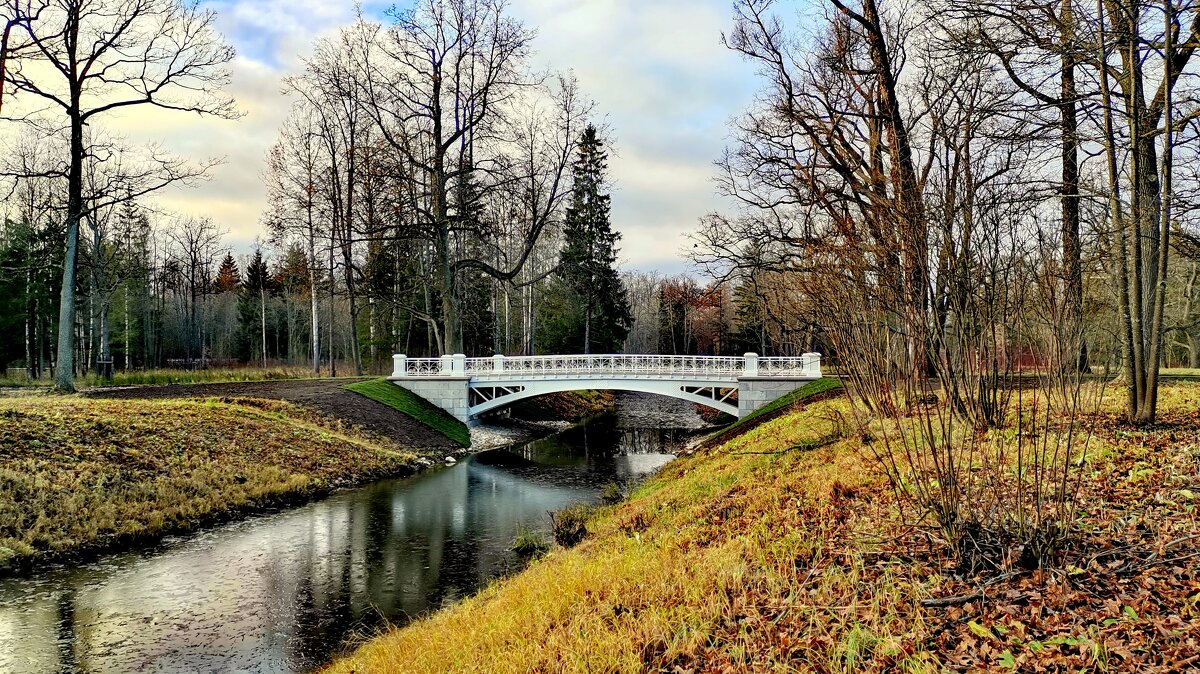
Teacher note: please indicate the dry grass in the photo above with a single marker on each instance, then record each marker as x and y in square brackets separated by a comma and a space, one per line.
[752, 557]
[172, 376]
[82, 474]
[679, 573]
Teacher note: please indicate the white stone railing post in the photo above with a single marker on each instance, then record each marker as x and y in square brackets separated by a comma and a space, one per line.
[751, 368]
[498, 363]
[458, 365]
[446, 366]
[399, 365]
[812, 365]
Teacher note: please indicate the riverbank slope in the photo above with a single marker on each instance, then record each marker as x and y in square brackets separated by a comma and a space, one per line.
[82, 475]
[782, 549]
[115, 468]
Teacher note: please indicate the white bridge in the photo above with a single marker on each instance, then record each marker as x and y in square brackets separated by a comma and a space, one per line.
[468, 387]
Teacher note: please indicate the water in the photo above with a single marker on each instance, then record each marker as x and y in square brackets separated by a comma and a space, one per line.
[288, 591]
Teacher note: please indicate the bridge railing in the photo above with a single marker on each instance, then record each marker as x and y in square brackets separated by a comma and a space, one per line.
[750, 365]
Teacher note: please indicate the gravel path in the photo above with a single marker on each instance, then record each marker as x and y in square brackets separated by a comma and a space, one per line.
[321, 395]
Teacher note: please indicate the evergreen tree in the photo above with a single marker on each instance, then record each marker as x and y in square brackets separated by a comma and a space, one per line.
[252, 310]
[229, 278]
[589, 255]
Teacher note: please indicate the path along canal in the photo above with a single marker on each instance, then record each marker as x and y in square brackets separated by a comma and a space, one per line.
[287, 591]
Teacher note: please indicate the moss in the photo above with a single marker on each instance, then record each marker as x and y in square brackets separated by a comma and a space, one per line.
[423, 411]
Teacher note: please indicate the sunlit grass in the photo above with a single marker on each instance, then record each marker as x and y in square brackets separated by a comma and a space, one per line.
[752, 556]
[783, 402]
[80, 474]
[681, 569]
[173, 376]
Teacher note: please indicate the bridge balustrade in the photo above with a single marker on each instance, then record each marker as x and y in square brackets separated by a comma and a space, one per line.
[721, 367]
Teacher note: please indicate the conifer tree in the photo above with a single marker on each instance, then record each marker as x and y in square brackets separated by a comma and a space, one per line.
[229, 279]
[252, 309]
[589, 255]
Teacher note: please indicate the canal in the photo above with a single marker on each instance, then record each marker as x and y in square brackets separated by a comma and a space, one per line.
[287, 591]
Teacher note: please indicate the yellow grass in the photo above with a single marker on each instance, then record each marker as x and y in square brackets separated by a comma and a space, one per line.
[80, 474]
[736, 559]
[667, 573]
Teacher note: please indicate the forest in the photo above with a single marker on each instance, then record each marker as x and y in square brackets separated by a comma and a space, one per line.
[432, 192]
[429, 192]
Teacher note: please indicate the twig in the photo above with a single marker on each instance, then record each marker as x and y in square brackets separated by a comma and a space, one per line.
[942, 602]
[803, 446]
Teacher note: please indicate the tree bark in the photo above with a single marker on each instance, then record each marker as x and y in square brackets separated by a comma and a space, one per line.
[64, 375]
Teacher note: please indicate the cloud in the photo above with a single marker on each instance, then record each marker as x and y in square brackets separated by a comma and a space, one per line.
[666, 87]
[662, 82]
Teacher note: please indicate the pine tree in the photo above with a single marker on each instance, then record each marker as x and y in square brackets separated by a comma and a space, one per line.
[588, 259]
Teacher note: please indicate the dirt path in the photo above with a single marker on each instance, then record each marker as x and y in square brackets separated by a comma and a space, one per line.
[321, 395]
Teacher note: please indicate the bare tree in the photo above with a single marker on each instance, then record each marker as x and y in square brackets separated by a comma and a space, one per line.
[902, 215]
[331, 90]
[81, 59]
[1038, 47]
[194, 246]
[437, 90]
[1143, 49]
[293, 166]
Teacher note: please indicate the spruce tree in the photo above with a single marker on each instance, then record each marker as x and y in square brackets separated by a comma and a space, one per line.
[229, 279]
[252, 310]
[589, 255]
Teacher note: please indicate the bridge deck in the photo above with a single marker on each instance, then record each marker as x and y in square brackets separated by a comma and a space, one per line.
[724, 368]
[468, 387]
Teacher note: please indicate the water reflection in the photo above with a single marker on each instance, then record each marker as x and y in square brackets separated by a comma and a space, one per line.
[282, 593]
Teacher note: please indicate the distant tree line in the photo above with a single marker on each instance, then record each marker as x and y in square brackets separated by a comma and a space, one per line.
[429, 193]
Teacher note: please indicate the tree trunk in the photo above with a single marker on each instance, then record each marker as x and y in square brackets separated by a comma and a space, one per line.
[315, 319]
[64, 376]
[262, 310]
[30, 318]
[125, 307]
[348, 256]
[332, 271]
[1071, 247]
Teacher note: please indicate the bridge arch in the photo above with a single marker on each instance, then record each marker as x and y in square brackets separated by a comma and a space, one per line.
[721, 395]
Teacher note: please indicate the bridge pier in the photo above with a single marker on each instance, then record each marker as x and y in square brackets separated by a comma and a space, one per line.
[754, 392]
[466, 388]
[450, 389]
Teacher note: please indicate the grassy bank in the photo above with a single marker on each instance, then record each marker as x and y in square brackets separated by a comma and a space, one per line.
[757, 556]
[80, 475]
[166, 376]
[423, 411]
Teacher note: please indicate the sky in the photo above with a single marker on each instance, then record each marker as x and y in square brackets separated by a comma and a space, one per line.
[663, 84]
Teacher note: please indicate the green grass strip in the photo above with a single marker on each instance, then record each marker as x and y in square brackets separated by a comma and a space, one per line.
[810, 389]
[425, 412]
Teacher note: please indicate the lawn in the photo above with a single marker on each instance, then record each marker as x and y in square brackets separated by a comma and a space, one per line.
[173, 376]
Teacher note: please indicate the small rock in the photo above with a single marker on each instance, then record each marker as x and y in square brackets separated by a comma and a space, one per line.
[451, 459]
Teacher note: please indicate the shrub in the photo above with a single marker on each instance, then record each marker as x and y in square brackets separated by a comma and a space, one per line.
[611, 494]
[529, 542]
[569, 525]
